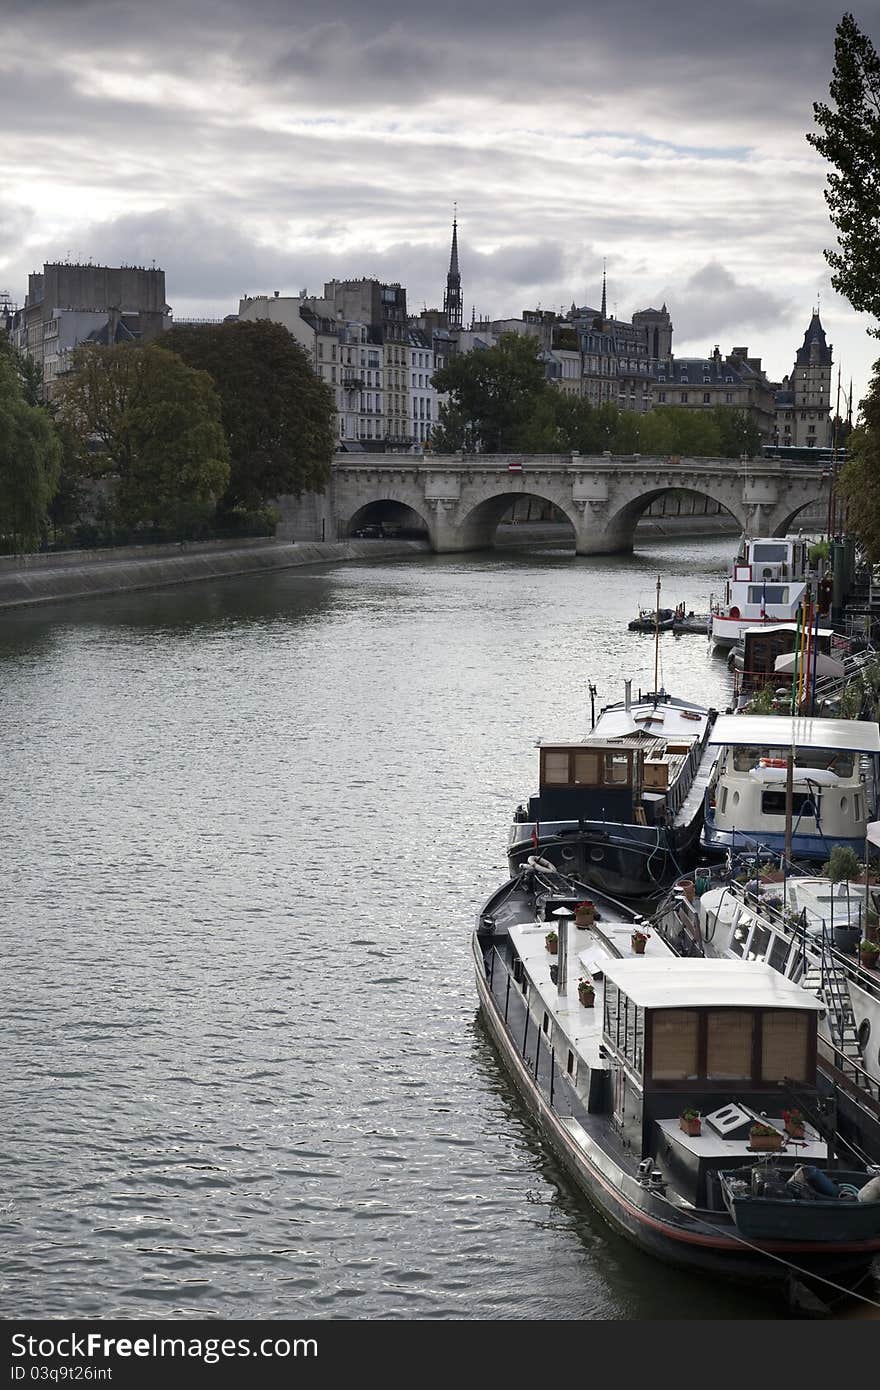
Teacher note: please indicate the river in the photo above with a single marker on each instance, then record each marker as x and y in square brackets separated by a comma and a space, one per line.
[246, 827]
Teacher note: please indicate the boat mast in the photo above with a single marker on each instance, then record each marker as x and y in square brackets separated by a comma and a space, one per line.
[657, 637]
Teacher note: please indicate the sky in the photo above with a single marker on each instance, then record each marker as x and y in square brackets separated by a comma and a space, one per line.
[275, 144]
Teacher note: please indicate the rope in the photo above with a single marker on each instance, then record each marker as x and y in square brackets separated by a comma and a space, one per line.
[718, 1230]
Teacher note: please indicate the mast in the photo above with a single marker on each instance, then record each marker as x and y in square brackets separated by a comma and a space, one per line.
[657, 637]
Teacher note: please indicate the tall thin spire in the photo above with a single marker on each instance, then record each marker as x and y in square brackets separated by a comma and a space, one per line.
[452, 307]
[604, 295]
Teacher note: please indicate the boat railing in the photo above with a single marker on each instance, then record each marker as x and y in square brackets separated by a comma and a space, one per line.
[797, 928]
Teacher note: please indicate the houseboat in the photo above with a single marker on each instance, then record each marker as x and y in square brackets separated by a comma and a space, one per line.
[621, 809]
[661, 1081]
[810, 931]
[767, 582]
[834, 784]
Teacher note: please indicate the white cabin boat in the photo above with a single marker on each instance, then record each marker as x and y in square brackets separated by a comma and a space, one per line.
[767, 582]
[834, 784]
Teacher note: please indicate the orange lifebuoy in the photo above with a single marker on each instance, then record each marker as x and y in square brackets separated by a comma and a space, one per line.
[772, 762]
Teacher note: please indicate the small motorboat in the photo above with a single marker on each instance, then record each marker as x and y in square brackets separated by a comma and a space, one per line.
[650, 620]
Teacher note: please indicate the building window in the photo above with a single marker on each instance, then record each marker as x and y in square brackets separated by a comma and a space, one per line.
[661, 396]
[684, 397]
[706, 397]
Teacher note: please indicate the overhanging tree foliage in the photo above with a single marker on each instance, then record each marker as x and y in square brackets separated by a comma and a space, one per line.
[278, 415]
[30, 458]
[148, 423]
[859, 482]
[495, 396]
[850, 140]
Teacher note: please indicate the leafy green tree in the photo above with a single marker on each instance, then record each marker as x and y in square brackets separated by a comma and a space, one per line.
[494, 396]
[859, 480]
[148, 423]
[738, 432]
[850, 140]
[30, 457]
[279, 416]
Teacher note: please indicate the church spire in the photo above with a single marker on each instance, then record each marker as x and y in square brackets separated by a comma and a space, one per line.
[604, 295]
[452, 298]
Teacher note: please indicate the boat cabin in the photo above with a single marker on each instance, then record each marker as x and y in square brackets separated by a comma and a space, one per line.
[723, 1037]
[833, 779]
[772, 559]
[763, 644]
[634, 778]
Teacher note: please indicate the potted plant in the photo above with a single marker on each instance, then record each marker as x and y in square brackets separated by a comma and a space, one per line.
[794, 1123]
[584, 914]
[764, 1138]
[551, 941]
[586, 993]
[690, 1121]
[639, 940]
[868, 952]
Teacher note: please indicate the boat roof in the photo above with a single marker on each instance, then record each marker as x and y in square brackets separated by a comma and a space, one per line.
[780, 731]
[657, 983]
[786, 627]
[665, 716]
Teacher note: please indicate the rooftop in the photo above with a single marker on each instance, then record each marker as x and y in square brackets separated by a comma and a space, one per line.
[658, 983]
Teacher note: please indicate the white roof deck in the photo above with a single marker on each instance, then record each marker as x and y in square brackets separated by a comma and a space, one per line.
[781, 731]
[786, 627]
[655, 983]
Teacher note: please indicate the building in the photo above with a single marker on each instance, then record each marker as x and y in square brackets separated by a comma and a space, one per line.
[803, 400]
[737, 381]
[67, 305]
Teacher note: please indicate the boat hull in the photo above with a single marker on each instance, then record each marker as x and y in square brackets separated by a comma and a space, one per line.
[623, 860]
[646, 1219]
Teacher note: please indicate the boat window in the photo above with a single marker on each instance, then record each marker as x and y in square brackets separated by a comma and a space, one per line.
[586, 769]
[569, 1066]
[785, 1050]
[759, 943]
[769, 554]
[768, 593]
[745, 757]
[616, 769]
[555, 768]
[840, 763]
[779, 953]
[738, 940]
[729, 1045]
[722, 803]
[857, 807]
[675, 1037]
[802, 804]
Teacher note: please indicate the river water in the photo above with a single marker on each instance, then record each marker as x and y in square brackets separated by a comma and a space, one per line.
[246, 827]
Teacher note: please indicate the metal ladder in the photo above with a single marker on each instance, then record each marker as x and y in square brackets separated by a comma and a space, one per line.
[828, 981]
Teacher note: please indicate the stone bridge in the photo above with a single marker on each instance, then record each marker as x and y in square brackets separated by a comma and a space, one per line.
[460, 498]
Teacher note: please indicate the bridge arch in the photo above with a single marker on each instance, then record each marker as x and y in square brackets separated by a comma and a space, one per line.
[787, 521]
[620, 526]
[394, 514]
[477, 527]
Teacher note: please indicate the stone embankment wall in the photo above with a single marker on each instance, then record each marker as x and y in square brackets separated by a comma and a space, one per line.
[30, 579]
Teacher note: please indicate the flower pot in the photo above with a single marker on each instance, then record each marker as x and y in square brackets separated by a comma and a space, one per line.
[765, 1143]
[846, 939]
[587, 997]
[868, 958]
[552, 947]
[584, 915]
[793, 1130]
[638, 944]
[691, 1126]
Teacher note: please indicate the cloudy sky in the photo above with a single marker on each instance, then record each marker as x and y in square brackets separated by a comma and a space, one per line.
[248, 146]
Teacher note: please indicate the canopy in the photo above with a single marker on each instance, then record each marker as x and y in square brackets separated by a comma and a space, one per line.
[784, 731]
[872, 832]
[678, 983]
[824, 665]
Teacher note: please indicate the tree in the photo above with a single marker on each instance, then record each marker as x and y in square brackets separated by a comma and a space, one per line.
[494, 397]
[850, 140]
[859, 481]
[278, 415]
[150, 424]
[30, 457]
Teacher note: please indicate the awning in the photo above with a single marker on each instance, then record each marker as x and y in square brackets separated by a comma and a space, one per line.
[872, 832]
[824, 665]
[783, 731]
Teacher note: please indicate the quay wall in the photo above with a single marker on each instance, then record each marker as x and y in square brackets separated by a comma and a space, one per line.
[32, 579]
